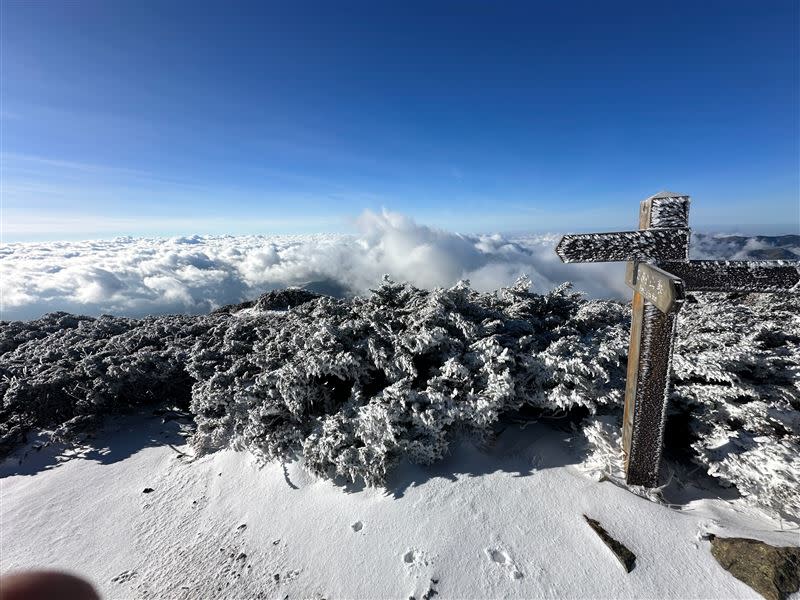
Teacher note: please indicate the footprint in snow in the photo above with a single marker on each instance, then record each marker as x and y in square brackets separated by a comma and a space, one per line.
[502, 558]
[415, 559]
[123, 577]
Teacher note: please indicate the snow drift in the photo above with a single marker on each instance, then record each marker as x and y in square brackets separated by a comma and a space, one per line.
[356, 385]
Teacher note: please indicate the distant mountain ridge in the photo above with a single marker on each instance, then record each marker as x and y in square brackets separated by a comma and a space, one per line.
[739, 247]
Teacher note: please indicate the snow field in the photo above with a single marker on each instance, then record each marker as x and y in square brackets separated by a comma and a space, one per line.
[502, 522]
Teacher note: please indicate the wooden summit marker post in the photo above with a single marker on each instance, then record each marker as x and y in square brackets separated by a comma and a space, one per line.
[650, 349]
[659, 292]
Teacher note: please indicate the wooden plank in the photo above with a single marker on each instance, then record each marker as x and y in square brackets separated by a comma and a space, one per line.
[632, 377]
[662, 289]
[737, 276]
[649, 358]
[669, 243]
[652, 392]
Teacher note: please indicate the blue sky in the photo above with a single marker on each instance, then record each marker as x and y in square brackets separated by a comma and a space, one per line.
[170, 118]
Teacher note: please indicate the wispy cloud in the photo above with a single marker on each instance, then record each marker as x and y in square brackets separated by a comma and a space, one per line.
[27, 169]
[27, 225]
[68, 164]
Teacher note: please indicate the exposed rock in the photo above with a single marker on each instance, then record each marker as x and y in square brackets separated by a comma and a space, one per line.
[772, 571]
[284, 299]
[232, 308]
[623, 554]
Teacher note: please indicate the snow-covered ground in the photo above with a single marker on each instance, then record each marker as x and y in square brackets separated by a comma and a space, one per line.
[502, 522]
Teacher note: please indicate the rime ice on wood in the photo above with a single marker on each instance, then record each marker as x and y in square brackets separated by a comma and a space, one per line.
[666, 244]
[736, 276]
[658, 296]
[667, 209]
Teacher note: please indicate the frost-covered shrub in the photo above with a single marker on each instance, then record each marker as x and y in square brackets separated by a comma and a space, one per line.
[736, 387]
[16, 333]
[92, 367]
[737, 374]
[356, 385]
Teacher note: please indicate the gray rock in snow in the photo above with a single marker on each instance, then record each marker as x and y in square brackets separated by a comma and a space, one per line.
[626, 558]
[772, 571]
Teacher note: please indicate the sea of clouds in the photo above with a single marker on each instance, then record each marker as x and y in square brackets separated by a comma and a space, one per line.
[140, 276]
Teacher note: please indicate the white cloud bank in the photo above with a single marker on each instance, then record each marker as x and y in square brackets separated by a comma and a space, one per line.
[138, 276]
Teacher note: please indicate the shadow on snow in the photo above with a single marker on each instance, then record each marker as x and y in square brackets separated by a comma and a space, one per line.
[518, 449]
[122, 436]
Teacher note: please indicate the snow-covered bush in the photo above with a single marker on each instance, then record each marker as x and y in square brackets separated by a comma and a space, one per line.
[71, 375]
[16, 333]
[356, 385]
[735, 401]
[737, 375]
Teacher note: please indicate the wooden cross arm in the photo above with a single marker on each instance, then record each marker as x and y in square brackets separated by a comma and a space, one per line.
[737, 276]
[668, 243]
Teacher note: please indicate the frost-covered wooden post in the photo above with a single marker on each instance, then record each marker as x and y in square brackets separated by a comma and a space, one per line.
[663, 235]
[659, 291]
[657, 298]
